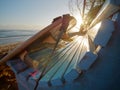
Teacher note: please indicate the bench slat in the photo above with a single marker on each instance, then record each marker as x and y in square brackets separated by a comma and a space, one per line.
[88, 57]
[58, 55]
[57, 78]
[46, 78]
[72, 71]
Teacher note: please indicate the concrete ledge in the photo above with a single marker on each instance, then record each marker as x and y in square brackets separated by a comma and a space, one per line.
[21, 85]
[32, 84]
[87, 61]
[117, 2]
[101, 32]
[43, 84]
[56, 82]
[25, 74]
[69, 77]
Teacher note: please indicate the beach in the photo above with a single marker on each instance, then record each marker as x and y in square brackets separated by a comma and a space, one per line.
[6, 48]
[9, 39]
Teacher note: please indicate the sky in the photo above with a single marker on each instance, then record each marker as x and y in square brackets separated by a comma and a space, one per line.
[30, 14]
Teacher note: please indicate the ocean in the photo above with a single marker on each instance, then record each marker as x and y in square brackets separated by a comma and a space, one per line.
[11, 36]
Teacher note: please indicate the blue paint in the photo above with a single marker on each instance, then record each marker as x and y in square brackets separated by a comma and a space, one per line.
[87, 61]
[17, 65]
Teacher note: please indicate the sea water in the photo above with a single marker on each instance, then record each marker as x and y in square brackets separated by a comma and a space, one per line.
[11, 36]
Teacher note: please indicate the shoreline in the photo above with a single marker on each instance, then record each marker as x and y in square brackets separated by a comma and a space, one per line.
[5, 48]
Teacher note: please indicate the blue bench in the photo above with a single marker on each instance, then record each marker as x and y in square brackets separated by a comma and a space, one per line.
[61, 69]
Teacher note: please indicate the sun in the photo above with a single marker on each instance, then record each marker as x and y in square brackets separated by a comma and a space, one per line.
[79, 20]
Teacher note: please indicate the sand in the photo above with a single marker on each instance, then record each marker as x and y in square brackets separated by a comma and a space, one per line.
[5, 48]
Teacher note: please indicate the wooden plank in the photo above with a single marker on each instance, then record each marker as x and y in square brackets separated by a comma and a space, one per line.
[44, 82]
[57, 78]
[59, 63]
[84, 48]
[87, 57]
[73, 72]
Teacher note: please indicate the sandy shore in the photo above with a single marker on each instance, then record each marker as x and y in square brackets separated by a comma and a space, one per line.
[5, 48]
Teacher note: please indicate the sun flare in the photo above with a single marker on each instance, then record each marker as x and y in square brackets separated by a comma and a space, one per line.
[79, 22]
[97, 26]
